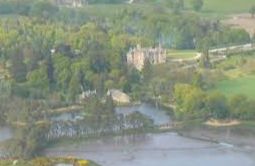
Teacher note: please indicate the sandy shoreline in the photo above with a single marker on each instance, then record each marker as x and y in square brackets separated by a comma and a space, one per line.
[222, 123]
[237, 135]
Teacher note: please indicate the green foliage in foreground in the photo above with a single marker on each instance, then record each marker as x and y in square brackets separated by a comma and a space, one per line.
[42, 162]
[192, 102]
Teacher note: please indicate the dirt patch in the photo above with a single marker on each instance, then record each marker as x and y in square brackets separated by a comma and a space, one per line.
[222, 123]
[245, 21]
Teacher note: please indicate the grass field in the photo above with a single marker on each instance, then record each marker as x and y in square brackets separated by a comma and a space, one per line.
[228, 6]
[225, 6]
[239, 71]
[181, 54]
[211, 7]
[242, 85]
[110, 10]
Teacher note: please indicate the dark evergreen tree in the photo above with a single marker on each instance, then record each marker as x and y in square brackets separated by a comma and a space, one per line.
[18, 68]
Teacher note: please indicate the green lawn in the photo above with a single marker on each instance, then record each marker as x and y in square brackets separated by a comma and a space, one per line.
[184, 54]
[225, 6]
[211, 7]
[242, 85]
[238, 65]
[228, 6]
[110, 10]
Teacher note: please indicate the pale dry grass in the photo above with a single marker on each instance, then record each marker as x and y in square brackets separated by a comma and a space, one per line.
[222, 123]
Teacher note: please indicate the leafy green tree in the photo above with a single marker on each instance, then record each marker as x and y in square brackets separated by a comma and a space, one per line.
[252, 11]
[197, 4]
[203, 46]
[217, 105]
[5, 88]
[43, 9]
[50, 71]
[147, 71]
[18, 68]
[109, 104]
[250, 112]
[176, 5]
[198, 80]
[74, 87]
[28, 141]
[238, 104]
[137, 120]
[29, 136]
[133, 80]
[62, 71]
[190, 101]
[38, 78]
[241, 107]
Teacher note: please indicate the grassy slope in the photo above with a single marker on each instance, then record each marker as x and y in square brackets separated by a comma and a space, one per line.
[225, 6]
[228, 6]
[239, 79]
[242, 85]
[113, 9]
[181, 54]
[216, 7]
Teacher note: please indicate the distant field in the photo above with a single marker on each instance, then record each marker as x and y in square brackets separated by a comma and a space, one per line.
[181, 54]
[226, 6]
[113, 9]
[239, 69]
[242, 85]
[211, 7]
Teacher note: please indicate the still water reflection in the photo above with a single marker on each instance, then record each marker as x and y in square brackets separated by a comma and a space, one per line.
[163, 149]
[158, 116]
[5, 133]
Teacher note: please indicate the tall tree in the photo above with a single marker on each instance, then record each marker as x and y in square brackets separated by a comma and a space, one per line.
[43, 9]
[217, 105]
[252, 11]
[176, 5]
[74, 87]
[147, 70]
[203, 46]
[197, 4]
[18, 68]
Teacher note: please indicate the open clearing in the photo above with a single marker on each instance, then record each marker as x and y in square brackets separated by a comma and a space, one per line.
[181, 54]
[228, 6]
[242, 85]
[239, 71]
[211, 7]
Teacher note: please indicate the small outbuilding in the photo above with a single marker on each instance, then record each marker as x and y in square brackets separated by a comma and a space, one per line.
[118, 96]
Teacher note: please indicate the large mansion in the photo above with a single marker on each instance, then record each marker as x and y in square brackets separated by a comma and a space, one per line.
[138, 55]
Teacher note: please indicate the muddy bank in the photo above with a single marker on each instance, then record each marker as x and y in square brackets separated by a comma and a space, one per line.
[5, 133]
[242, 135]
[222, 123]
[162, 149]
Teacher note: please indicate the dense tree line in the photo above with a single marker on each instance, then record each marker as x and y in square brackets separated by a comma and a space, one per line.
[34, 128]
[193, 102]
